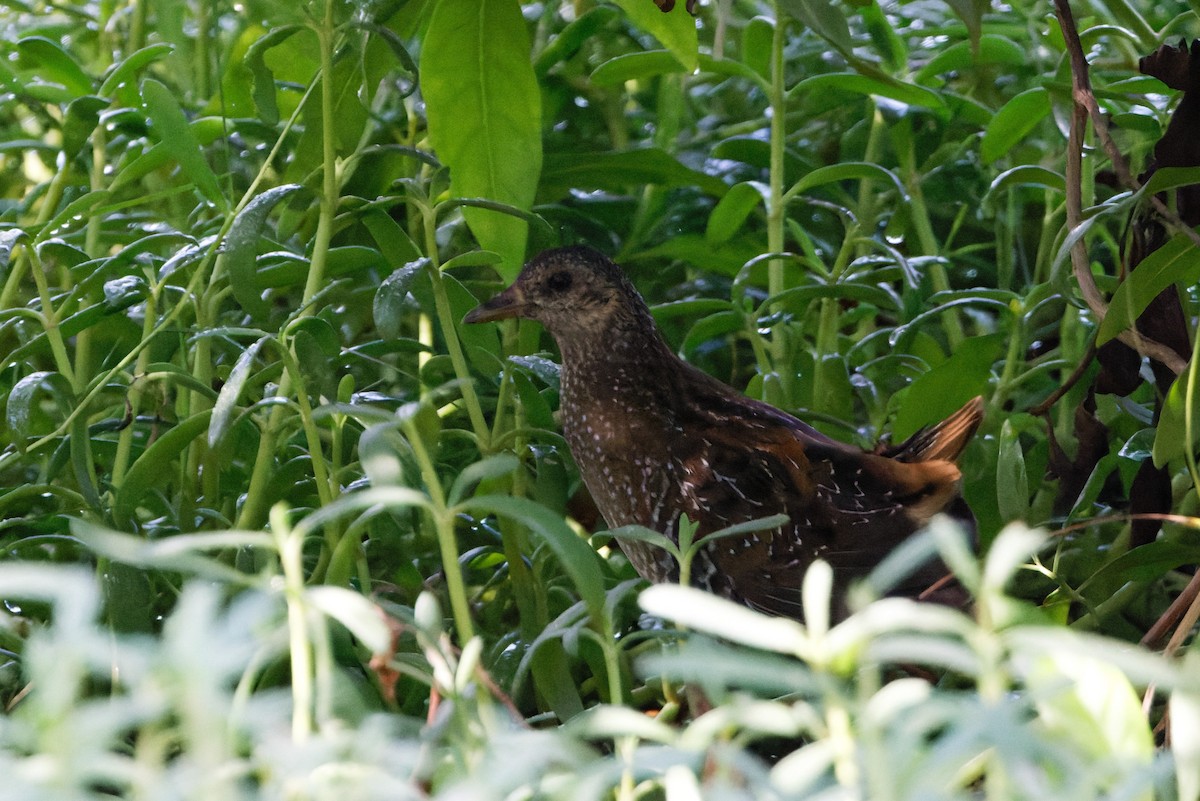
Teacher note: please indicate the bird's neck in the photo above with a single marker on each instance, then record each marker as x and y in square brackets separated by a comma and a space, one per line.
[626, 365]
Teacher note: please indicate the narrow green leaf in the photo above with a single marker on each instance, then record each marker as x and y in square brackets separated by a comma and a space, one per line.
[732, 210]
[1012, 482]
[636, 67]
[389, 305]
[849, 171]
[264, 79]
[675, 30]
[1176, 262]
[152, 468]
[494, 466]
[173, 130]
[577, 557]
[823, 18]
[484, 111]
[182, 553]
[1171, 440]
[51, 62]
[227, 400]
[363, 619]
[567, 42]
[19, 410]
[940, 391]
[619, 170]
[880, 85]
[1013, 122]
[122, 74]
[241, 249]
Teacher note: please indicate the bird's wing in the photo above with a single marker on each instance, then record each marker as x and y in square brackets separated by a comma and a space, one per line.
[846, 507]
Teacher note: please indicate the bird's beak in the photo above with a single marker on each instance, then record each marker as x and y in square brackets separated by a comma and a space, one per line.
[509, 303]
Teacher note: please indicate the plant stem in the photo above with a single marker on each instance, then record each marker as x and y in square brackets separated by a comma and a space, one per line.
[775, 215]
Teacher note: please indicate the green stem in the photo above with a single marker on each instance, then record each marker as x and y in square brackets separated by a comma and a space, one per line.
[443, 522]
[775, 214]
[290, 547]
[450, 333]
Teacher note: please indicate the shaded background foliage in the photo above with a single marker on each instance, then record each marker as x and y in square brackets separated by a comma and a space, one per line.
[236, 247]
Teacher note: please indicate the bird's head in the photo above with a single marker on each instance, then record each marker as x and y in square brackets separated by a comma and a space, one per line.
[568, 290]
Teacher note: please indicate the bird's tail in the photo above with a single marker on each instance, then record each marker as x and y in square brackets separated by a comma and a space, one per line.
[945, 440]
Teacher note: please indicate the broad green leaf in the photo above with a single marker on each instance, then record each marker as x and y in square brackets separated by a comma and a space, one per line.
[484, 111]
[241, 249]
[172, 129]
[676, 30]
[961, 57]
[264, 79]
[1176, 262]
[1013, 122]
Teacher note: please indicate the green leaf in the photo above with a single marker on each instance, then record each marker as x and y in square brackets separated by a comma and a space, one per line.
[732, 210]
[49, 61]
[961, 57]
[567, 42]
[581, 563]
[494, 466]
[849, 171]
[617, 171]
[869, 85]
[1091, 704]
[151, 469]
[1171, 439]
[19, 411]
[227, 400]
[636, 67]
[120, 76]
[390, 299]
[264, 79]
[1013, 122]
[182, 553]
[484, 111]
[241, 249]
[937, 393]
[676, 30]
[1012, 483]
[1176, 262]
[363, 619]
[823, 18]
[172, 129]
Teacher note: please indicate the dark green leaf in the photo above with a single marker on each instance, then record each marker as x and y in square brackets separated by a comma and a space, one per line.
[172, 129]
[1013, 122]
[1176, 262]
[241, 249]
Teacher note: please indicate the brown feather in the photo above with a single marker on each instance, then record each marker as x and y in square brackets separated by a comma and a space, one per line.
[656, 439]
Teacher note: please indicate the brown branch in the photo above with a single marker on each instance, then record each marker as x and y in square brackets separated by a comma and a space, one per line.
[1085, 106]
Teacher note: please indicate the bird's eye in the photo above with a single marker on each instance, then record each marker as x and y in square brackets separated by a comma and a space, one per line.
[559, 281]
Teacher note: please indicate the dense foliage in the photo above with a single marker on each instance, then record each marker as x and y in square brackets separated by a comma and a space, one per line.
[275, 524]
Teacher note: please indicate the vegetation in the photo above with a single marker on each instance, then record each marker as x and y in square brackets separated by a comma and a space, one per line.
[275, 525]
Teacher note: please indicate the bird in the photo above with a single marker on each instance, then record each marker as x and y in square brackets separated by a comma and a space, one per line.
[655, 438]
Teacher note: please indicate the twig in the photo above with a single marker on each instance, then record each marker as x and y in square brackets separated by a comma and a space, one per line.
[1085, 106]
